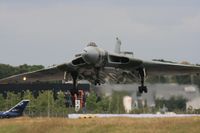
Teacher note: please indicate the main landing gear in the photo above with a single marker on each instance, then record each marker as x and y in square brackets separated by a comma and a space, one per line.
[74, 78]
[142, 75]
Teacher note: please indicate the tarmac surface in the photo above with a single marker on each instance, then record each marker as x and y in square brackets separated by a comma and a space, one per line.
[79, 116]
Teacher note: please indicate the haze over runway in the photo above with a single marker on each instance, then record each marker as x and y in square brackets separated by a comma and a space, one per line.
[50, 32]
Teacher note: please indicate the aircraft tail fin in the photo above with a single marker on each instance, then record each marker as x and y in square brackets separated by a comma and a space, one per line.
[118, 46]
[19, 108]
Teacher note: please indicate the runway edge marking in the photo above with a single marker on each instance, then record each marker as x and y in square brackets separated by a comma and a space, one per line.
[80, 116]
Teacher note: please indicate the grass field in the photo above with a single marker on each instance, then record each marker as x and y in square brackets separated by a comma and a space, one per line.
[100, 125]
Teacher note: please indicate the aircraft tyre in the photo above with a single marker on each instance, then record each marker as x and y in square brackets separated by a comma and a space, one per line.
[97, 82]
[142, 89]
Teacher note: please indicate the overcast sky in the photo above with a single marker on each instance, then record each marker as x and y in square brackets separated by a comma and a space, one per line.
[51, 31]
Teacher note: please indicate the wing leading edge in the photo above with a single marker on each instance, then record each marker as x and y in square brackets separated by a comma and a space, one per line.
[164, 68]
[48, 74]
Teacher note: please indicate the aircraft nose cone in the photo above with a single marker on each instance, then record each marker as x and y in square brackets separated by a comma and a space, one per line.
[90, 55]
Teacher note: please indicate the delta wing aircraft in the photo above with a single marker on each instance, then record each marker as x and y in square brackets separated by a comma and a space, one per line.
[99, 66]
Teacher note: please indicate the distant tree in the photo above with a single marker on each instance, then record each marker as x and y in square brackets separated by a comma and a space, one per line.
[31, 109]
[2, 103]
[186, 79]
[91, 103]
[103, 105]
[153, 79]
[8, 70]
[173, 104]
[196, 80]
[158, 79]
[27, 68]
[59, 107]
[116, 103]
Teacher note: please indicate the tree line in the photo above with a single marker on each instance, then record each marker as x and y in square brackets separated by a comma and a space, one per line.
[8, 70]
[46, 105]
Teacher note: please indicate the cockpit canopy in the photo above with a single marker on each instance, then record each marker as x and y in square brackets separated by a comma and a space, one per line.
[93, 44]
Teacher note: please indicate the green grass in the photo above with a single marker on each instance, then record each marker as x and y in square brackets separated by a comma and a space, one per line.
[101, 125]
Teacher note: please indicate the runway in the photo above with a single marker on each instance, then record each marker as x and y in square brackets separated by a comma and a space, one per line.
[79, 116]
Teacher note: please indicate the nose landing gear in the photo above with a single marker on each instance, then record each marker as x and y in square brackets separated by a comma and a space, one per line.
[97, 80]
[74, 77]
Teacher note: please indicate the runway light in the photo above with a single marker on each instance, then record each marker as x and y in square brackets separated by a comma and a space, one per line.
[24, 78]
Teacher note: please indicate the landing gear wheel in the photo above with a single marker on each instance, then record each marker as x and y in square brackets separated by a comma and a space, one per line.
[142, 89]
[145, 89]
[97, 82]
